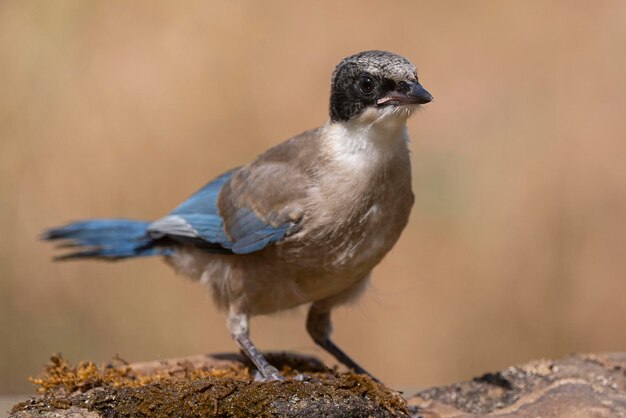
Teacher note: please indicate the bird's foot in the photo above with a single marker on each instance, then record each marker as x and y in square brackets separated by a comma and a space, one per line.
[269, 374]
[301, 377]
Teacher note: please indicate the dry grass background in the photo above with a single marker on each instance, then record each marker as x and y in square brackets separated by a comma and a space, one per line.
[516, 247]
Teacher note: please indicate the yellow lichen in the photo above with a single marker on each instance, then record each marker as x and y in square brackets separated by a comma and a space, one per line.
[59, 374]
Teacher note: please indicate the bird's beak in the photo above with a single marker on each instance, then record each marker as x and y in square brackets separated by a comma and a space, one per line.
[415, 94]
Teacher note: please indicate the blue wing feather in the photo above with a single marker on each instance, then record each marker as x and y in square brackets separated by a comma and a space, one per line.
[259, 239]
[197, 221]
[204, 201]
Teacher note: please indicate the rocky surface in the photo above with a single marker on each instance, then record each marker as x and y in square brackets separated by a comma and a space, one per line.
[221, 385]
[591, 385]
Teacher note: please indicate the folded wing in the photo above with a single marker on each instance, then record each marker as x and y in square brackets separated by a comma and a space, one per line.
[245, 209]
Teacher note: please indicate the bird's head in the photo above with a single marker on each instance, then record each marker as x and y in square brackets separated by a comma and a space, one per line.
[375, 86]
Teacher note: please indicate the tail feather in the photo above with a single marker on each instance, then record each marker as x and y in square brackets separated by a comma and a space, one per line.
[110, 239]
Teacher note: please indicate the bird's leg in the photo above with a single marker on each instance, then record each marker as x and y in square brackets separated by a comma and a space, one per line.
[319, 327]
[239, 331]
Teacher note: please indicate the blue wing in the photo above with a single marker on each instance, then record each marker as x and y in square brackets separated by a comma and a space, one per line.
[204, 201]
[197, 221]
[240, 212]
[251, 233]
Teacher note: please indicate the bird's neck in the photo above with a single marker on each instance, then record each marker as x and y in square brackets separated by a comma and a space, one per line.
[361, 140]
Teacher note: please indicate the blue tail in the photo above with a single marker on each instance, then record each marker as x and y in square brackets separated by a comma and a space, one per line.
[110, 239]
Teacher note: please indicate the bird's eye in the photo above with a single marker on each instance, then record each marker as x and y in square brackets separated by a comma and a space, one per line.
[366, 84]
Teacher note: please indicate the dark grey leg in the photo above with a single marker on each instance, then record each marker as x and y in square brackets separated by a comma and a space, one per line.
[319, 327]
[239, 331]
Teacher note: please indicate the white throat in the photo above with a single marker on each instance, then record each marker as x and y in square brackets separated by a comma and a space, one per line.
[375, 134]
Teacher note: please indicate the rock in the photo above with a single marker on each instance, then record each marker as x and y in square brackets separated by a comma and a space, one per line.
[576, 386]
[220, 385]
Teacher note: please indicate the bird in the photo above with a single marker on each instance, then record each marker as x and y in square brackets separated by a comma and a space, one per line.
[302, 224]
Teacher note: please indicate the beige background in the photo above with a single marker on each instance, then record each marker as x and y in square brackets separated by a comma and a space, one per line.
[516, 247]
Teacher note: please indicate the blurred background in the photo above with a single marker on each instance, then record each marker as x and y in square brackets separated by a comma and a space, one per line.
[516, 247]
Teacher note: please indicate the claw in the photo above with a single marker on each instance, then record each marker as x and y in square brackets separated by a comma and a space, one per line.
[270, 374]
[305, 378]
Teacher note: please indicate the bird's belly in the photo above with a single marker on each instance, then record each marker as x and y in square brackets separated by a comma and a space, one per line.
[332, 261]
[363, 242]
[307, 267]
